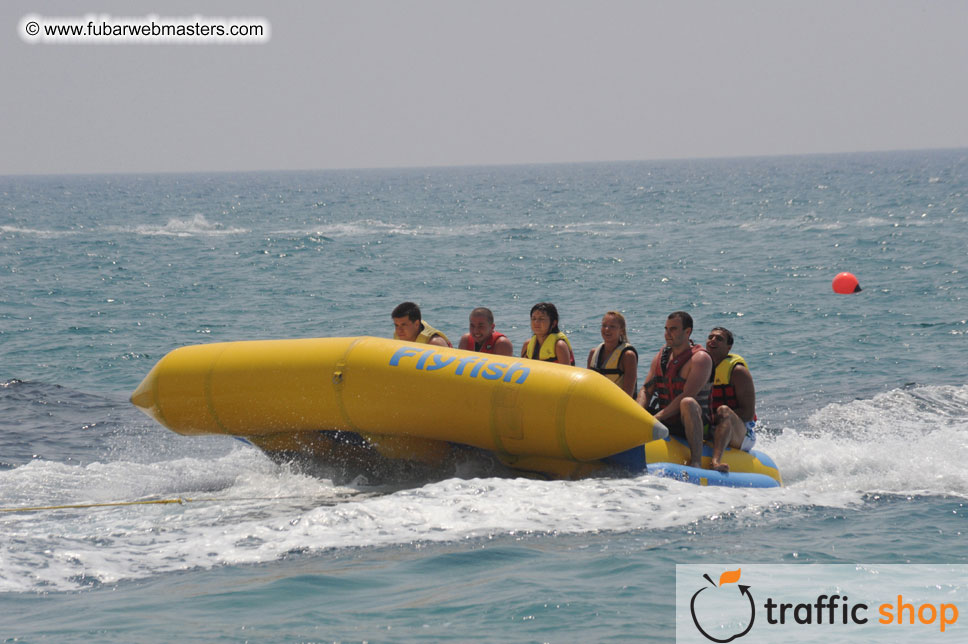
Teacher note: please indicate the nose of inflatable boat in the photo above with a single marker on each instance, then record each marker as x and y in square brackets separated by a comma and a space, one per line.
[144, 397]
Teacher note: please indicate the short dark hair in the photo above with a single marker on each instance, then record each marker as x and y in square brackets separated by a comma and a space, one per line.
[726, 332]
[407, 309]
[550, 310]
[486, 312]
[684, 317]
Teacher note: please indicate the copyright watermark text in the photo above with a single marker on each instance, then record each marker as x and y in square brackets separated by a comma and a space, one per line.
[150, 29]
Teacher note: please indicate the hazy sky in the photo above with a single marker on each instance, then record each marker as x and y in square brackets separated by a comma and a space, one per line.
[360, 83]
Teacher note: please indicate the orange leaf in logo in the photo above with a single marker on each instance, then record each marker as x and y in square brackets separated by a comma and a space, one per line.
[729, 577]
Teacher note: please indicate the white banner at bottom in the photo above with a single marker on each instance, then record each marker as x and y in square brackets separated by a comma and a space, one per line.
[748, 603]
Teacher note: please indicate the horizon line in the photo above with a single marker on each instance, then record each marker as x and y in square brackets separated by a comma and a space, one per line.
[481, 165]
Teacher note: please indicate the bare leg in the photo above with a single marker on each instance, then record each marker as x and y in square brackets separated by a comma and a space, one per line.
[730, 430]
[719, 446]
[691, 416]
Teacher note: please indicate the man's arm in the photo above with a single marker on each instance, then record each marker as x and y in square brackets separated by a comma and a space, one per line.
[466, 343]
[439, 341]
[745, 393]
[503, 347]
[700, 368]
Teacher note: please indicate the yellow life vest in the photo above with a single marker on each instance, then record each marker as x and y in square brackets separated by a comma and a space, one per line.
[723, 392]
[724, 370]
[612, 369]
[547, 351]
[427, 333]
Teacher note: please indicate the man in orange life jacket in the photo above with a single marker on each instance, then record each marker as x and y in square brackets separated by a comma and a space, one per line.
[732, 401]
[482, 336]
[680, 378]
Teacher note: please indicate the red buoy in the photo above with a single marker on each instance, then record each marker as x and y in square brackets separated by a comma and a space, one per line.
[846, 283]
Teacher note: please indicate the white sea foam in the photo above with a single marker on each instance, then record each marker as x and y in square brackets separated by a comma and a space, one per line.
[20, 230]
[240, 508]
[197, 225]
[369, 227]
[905, 442]
[246, 510]
[341, 229]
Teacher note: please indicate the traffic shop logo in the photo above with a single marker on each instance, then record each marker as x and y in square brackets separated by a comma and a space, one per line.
[742, 603]
[896, 605]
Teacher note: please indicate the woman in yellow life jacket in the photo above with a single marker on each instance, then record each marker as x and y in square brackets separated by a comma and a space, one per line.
[615, 358]
[548, 343]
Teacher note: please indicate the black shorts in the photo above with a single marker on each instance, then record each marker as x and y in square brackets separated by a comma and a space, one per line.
[676, 428]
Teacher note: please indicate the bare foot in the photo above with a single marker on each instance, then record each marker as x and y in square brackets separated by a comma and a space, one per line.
[719, 467]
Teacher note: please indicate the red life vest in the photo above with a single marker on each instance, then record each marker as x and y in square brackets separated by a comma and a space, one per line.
[668, 382]
[488, 345]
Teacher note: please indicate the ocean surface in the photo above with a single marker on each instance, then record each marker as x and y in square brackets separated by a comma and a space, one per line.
[863, 398]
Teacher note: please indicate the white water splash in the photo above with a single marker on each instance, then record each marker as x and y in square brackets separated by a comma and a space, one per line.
[246, 509]
[44, 234]
[195, 226]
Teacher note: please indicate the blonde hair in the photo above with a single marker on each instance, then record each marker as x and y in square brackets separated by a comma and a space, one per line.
[621, 320]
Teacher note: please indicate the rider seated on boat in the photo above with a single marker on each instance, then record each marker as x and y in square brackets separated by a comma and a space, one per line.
[615, 358]
[482, 336]
[732, 400]
[407, 325]
[679, 378]
[548, 343]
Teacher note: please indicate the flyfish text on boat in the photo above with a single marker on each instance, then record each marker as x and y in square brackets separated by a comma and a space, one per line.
[472, 366]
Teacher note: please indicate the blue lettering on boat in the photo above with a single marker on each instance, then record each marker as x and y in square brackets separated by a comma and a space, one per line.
[471, 366]
[494, 371]
[404, 352]
[439, 362]
[463, 363]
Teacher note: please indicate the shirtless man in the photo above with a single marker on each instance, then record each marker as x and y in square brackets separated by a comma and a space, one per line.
[482, 336]
[680, 377]
[732, 400]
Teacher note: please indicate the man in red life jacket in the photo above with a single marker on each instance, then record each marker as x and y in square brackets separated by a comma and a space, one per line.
[679, 377]
[483, 337]
[732, 401]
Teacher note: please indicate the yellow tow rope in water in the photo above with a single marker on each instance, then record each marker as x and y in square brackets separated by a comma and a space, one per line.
[102, 505]
[179, 501]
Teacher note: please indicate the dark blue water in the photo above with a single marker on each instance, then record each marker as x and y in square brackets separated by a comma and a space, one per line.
[863, 397]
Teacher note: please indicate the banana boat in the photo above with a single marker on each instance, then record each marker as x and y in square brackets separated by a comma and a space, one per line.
[333, 398]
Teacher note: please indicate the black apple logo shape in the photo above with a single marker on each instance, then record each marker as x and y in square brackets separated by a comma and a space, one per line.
[730, 576]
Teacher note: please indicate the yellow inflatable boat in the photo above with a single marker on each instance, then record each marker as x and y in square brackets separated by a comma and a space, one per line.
[338, 398]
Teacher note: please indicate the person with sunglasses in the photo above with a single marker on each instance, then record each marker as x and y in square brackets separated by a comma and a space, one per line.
[732, 399]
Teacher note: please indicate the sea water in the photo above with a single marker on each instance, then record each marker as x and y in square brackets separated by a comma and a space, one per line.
[862, 398]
